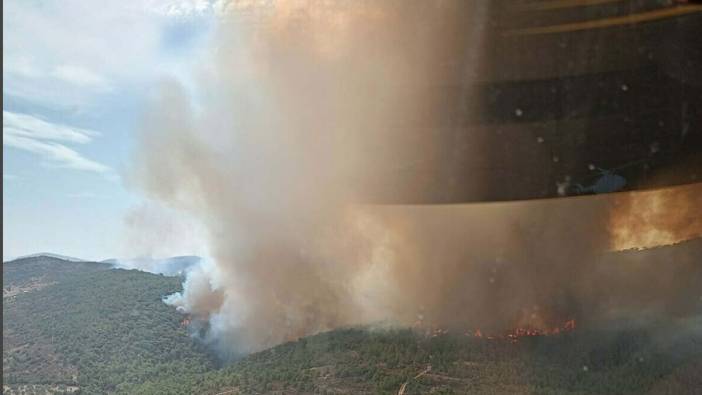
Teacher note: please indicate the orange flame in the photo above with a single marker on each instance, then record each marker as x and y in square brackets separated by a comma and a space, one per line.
[649, 219]
[515, 334]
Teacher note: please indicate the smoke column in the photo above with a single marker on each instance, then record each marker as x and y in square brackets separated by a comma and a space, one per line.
[297, 110]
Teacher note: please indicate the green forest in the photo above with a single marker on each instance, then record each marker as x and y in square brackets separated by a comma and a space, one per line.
[85, 328]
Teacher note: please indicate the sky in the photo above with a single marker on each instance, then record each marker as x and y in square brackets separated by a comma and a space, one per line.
[76, 77]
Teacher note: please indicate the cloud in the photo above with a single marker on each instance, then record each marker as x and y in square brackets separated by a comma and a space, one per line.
[86, 195]
[24, 125]
[59, 154]
[180, 8]
[21, 66]
[69, 53]
[35, 135]
[81, 76]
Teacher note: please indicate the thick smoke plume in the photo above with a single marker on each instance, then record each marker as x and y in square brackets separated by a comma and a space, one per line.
[299, 114]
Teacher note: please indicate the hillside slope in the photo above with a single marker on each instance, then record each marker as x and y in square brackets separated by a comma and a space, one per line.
[81, 327]
[666, 359]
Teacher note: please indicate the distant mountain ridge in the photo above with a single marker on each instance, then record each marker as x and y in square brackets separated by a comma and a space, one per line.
[47, 255]
[173, 266]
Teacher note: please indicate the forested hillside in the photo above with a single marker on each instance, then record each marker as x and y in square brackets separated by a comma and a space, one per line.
[93, 330]
[357, 361]
[89, 328]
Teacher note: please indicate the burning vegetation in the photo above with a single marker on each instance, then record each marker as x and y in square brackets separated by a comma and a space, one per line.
[512, 335]
[655, 218]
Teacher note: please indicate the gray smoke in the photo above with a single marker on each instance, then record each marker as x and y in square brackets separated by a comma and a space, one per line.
[298, 109]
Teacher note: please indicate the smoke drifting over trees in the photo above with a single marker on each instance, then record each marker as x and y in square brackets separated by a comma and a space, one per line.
[297, 112]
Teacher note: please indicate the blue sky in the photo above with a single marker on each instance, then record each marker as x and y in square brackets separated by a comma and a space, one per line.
[76, 77]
